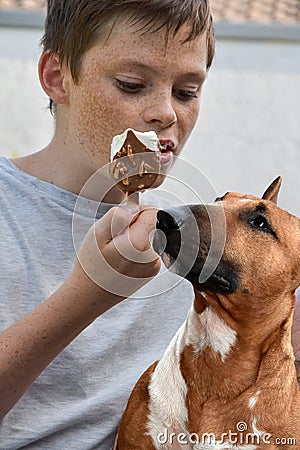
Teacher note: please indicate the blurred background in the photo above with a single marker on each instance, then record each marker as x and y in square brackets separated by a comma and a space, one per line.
[248, 130]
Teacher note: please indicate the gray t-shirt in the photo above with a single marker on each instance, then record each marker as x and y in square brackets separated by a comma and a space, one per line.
[78, 400]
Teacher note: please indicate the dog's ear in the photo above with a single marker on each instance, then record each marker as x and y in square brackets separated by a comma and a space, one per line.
[271, 193]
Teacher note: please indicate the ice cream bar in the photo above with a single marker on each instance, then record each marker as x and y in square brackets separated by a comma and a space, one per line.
[135, 160]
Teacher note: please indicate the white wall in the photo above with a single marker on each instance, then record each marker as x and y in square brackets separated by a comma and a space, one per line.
[248, 131]
[25, 124]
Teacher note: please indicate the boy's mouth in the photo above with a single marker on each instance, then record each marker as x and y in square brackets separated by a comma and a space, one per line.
[167, 148]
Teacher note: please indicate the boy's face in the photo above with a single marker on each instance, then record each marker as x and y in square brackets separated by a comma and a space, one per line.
[133, 80]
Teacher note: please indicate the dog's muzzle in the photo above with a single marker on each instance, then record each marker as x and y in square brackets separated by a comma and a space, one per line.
[183, 239]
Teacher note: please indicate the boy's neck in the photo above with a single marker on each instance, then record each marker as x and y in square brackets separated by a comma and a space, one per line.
[54, 165]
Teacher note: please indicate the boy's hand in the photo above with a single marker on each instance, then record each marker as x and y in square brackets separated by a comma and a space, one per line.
[296, 334]
[109, 275]
[116, 255]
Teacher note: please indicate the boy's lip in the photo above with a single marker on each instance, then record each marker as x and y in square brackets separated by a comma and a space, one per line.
[167, 147]
[167, 150]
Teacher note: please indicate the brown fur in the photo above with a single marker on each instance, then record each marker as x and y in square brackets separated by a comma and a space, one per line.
[135, 416]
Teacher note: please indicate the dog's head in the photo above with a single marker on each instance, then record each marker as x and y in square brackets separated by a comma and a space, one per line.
[243, 243]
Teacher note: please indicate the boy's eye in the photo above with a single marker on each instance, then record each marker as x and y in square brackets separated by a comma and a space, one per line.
[185, 95]
[129, 87]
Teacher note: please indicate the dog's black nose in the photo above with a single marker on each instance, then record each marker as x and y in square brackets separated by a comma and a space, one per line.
[167, 229]
[166, 221]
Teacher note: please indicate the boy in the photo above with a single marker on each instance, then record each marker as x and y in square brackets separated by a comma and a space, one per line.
[107, 65]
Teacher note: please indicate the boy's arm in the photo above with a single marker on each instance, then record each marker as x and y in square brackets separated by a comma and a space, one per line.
[28, 346]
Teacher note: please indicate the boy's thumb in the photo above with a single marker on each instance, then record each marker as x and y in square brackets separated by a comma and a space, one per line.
[124, 215]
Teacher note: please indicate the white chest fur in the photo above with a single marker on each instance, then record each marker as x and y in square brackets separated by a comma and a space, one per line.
[167, 406]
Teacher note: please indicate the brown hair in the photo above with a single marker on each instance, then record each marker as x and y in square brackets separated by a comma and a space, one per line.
[72, 26]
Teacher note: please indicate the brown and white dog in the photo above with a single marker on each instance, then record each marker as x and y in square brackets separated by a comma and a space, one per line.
[227, 379]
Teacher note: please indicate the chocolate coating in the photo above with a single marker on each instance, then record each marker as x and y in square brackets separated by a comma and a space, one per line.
[136, 166]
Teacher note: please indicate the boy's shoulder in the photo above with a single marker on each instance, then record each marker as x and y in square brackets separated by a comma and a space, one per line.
[7, 172]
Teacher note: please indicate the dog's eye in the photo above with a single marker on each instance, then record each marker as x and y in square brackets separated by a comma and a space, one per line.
[260, 222]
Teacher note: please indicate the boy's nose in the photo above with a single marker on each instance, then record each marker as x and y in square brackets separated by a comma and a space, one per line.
[160, 112]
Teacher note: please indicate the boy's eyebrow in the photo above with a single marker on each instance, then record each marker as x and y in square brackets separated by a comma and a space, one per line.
[197, 76]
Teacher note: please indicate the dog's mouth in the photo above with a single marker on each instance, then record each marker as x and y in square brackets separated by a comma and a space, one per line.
[223, 280]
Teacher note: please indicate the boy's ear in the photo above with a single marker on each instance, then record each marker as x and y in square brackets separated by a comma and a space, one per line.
[52, 77]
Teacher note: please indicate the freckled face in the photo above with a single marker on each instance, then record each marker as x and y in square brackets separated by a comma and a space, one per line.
[134, 80]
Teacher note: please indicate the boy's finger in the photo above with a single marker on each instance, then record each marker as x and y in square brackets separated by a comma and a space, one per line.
[115, 221]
